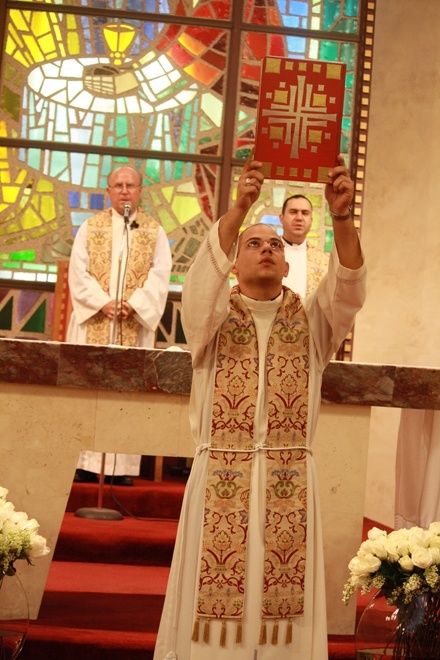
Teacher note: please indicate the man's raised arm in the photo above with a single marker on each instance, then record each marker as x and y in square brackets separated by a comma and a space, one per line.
[339, 194]
[248, 191]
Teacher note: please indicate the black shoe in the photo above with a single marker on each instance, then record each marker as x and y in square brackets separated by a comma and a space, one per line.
[119, 481]
[85, 477]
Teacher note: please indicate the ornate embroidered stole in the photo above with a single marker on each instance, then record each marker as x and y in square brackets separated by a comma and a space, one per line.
[317, 266]
[99, 247]
[223, 563]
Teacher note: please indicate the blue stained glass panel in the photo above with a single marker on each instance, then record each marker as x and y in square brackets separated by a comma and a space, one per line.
[73, 199]
[96, 201]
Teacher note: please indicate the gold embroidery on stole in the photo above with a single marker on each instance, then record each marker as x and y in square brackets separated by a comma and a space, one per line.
[317, 266]
[99, 247]
[223, 562]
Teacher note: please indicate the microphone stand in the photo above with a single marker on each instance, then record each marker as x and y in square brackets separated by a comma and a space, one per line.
[127, 209]
[99, 513]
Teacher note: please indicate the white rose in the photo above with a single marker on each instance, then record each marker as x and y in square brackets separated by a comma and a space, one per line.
[3, 492]
[19, 518]
[29, 525]
[435, 554]
[9, 526]
[358, 581]
[434, 541]
[419, 537]
[434, 528]
[406, 563]
[361, 565]
[392, 555]
[6, 511]
[38, 547]
[379, 549]
[422, 557]
[399, 535]
[402, 547]
[366, 547]
[375, 533]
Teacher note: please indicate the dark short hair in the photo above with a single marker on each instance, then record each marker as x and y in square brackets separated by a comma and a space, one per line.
[297, 196]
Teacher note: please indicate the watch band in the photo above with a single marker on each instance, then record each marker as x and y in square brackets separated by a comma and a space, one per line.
[345, 216]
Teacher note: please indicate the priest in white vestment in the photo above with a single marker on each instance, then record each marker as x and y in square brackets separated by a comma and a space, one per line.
[307, 264]
[119, 274]
[247, 576]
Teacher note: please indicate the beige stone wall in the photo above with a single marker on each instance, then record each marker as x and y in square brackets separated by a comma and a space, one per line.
[400, 323]
[45, 428]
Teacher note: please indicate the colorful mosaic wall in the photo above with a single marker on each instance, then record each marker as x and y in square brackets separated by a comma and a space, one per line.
[159, 84]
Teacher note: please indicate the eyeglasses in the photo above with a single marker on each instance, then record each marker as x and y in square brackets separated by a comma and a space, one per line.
[129, 186]
[257, 243]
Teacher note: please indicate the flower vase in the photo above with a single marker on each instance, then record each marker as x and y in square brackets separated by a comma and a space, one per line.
[403, 631]
[14, 615]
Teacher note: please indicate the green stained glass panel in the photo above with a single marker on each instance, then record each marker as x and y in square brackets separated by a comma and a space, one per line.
[332, 12]
[37, 320]
[6, 316]
[348, 55]
[37, 267]
[348, 101]
[345, 143]
[24, 255]
[347, 25]
[328, 240]
[329, 51]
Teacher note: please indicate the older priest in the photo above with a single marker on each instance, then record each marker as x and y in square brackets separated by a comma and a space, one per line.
[247, 578]
[119, 274]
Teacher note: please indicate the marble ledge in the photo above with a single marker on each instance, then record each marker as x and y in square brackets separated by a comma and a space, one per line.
[169, 372]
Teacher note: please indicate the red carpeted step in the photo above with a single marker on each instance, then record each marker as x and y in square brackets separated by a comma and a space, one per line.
[145, 542]
[97, 611]
[105, 591]
[341, 647]
[152, 499]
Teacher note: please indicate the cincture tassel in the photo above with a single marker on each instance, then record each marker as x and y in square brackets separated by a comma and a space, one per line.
[223, 633]
[262, 639]
[206, 631]
[239, 633]
[275, 633]
[195, 635]
[289, 632]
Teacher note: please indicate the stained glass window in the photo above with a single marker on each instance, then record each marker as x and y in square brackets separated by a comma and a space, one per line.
[167, 86]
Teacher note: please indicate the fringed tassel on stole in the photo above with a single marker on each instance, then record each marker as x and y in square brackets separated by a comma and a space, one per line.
[206, 631]
[195, 635]
[239, 632]
[223, 633]
[289, 632]
[262, 639]
[275, 633]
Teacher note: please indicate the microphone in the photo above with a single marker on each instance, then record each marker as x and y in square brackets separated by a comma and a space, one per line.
[127, 209]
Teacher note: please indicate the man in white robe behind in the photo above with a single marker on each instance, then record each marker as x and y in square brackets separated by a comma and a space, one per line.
[119, 274]
[247, 576]
[307, 264]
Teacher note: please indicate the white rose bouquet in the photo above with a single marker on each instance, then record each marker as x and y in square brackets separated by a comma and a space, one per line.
[402, 563]
[19, 538]
[404, 566]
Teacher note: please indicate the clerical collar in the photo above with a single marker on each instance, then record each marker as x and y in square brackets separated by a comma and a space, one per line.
[262, 303]
[292, 244]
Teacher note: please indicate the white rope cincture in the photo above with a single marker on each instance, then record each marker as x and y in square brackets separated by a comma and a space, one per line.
[207, 446]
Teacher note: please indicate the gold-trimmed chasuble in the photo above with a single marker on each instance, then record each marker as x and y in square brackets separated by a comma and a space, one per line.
[140, 259]
[222, 578]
